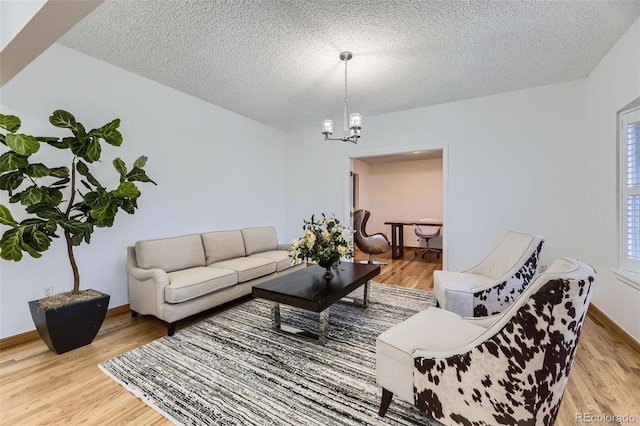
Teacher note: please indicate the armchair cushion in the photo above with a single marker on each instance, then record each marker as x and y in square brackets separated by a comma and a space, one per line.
[395, 347]
[505, 255]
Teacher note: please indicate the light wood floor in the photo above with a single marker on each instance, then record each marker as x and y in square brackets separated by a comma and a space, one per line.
[38, 387]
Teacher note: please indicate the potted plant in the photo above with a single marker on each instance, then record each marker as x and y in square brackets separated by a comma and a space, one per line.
[325, 241]
[65, 200]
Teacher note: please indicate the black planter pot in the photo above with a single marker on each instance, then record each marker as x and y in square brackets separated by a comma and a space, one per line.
[72, 326]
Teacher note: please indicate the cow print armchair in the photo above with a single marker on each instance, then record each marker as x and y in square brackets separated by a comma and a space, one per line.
[495, 283]
[509, 369]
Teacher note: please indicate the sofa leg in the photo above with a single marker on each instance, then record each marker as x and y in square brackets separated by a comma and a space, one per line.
[384, 403]
[134, 314]
[171, 329]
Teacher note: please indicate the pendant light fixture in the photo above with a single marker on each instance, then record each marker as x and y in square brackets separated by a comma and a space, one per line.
[352, 122]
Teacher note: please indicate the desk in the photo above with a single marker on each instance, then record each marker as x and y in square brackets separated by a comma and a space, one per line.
[397, 233]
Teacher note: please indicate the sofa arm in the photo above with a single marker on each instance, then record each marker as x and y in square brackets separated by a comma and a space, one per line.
[284, 246]
[146, 287]
[141, 274]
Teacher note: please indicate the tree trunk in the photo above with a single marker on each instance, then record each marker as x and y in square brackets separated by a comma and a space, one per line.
[74, 266]
[67, 235]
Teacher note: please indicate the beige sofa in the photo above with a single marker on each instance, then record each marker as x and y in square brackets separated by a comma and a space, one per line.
[174, 278]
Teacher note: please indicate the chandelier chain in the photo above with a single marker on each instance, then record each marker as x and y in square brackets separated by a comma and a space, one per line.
[346, 101]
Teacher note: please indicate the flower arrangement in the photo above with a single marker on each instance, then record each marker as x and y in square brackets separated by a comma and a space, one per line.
[325, 241]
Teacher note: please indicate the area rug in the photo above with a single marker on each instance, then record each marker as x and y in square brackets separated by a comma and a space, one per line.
[234, 369]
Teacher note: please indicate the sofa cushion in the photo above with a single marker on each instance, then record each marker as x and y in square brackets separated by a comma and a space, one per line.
[170, 254]
[191, 283]
[247, 268]
[257, 240]
[222, 245]
[280, 257]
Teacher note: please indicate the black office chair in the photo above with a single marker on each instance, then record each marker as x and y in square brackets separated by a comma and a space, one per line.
[370, 244]
[426, 233]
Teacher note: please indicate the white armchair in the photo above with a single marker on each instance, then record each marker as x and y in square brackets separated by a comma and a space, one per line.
[508, 369]
[495, 283]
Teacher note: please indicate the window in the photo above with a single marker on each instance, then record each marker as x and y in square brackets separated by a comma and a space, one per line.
[630, 190]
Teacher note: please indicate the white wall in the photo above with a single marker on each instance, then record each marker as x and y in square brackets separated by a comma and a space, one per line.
[210, 175]
[612, 85]
[403, 190]
[514, 161]
[537, 160]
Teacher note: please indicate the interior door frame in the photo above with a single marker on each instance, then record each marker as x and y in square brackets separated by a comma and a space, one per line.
[349, 190]
[355, 194]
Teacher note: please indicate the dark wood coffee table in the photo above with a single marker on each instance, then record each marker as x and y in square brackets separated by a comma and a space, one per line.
[306, 289]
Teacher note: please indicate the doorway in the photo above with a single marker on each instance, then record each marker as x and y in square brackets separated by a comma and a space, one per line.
[401, 186]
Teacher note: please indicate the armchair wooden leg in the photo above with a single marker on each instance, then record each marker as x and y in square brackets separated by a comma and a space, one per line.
[384, 403]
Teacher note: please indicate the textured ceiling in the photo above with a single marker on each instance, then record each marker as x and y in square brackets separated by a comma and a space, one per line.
[276, 61]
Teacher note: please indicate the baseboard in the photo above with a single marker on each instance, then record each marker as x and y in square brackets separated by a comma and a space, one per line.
[594, 311]
[28, 336]
[607, 322]
[122, 309]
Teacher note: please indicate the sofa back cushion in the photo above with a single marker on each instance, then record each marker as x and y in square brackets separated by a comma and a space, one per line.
[261, 239]
[171, 254]
[222, 245]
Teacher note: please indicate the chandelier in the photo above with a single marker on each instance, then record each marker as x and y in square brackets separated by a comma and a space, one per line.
[353, 121]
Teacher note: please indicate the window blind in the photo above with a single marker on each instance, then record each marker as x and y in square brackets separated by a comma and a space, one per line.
[630, 179]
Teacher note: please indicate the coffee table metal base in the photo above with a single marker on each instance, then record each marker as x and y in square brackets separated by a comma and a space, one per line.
[323, 326]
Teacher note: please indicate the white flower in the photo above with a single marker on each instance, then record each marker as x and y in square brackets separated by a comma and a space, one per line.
[323, 239]
[311, 240]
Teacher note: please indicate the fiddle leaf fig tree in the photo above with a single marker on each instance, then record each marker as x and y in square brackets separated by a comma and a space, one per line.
[66, 199]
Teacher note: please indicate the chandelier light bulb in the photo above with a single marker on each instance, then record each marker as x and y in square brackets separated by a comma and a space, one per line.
[355, 121]
[327, 127]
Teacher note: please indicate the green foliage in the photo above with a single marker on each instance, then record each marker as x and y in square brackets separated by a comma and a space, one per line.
[50, 195]
[10, 123]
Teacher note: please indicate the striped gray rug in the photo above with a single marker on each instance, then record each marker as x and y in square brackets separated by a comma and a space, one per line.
[233, 369]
